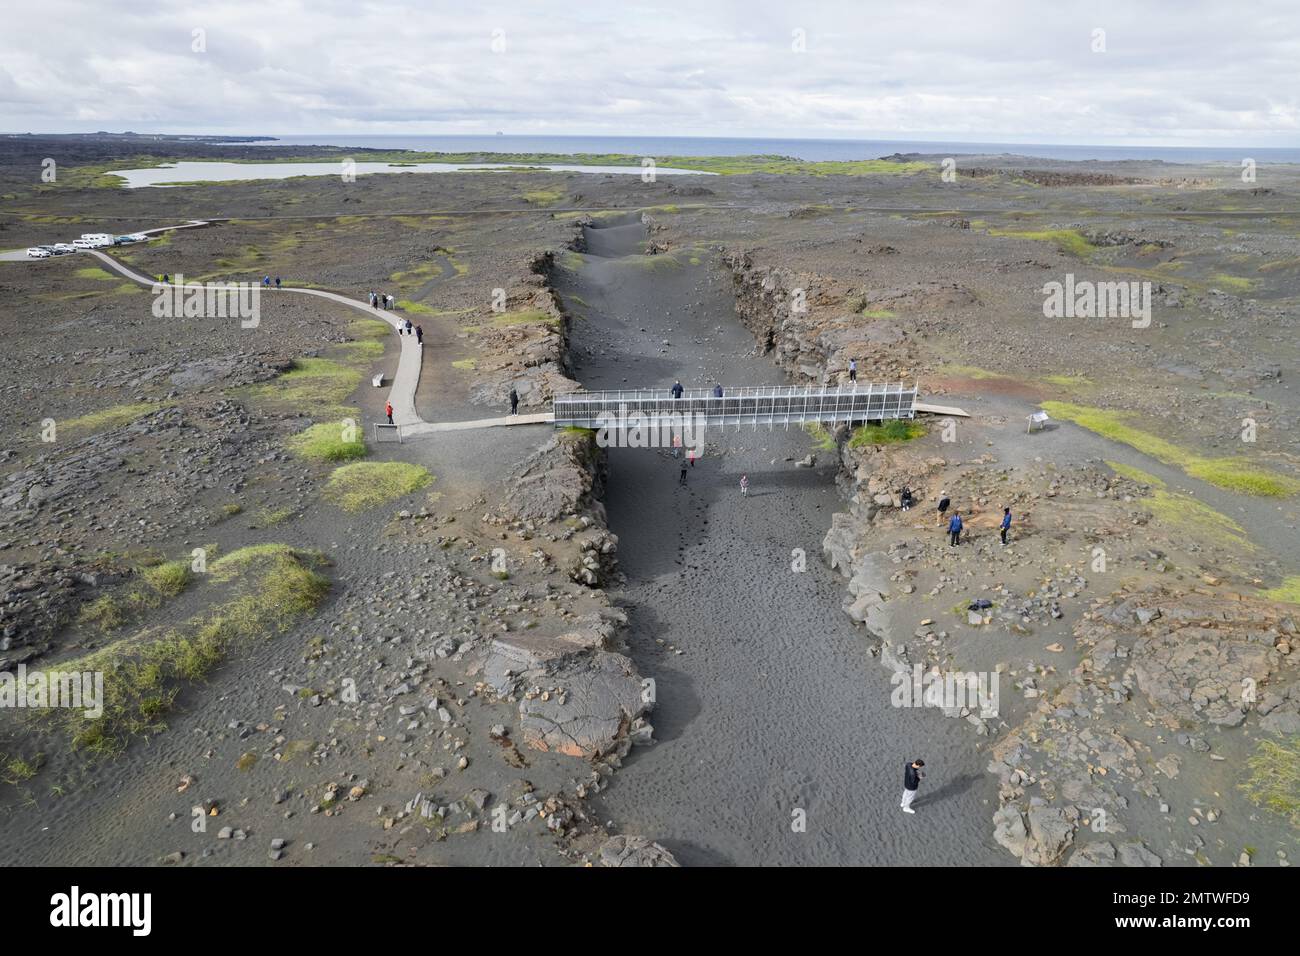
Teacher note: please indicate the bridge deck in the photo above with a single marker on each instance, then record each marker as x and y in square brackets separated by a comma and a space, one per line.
[763, 405]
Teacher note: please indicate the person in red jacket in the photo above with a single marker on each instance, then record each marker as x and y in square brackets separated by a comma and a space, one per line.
[388, 410]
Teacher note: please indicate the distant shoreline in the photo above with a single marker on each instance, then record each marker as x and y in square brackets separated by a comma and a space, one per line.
[807, 150]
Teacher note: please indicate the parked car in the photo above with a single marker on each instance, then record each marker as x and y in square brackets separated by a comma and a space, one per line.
[38, 252]
[62, 248]
[83, 244]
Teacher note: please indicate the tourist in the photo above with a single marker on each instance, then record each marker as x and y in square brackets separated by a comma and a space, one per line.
[690, 455]
[681, 480]
[1006, 524]
[905, 499]
[853, 370]
[277, 283]
[374, 301]
[514, 401]
[744, 486]
[677, 389]
[388, 410]
[266, 282]
[912, 777]
[717, 391]
[410, 329]
[954, 529]
[677, 445]
[166, 279]
[419, 335]
[943, 504]
[390, 300]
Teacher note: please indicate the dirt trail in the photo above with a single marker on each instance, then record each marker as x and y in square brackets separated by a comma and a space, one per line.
[774, 704]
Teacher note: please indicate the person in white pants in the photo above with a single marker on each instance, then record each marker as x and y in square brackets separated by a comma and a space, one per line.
[912, 777]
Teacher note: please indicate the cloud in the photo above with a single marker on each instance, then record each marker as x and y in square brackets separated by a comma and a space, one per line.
[1176, 72]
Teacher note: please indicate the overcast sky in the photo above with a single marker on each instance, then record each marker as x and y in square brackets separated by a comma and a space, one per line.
[1173, 73]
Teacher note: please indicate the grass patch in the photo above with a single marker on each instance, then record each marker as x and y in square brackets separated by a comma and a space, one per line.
[317, 386]
[886, 433]
[1234, 283]
[329, 441]
[1184, 512]
[877, 314]
[1067, 381]
[823, 440]
[543, 197]
[270, 517]
[96, 273]
[169, 578]
[103, 612]
[465, 365]
[1274, 778]
[1069, 241]
[144, 673]
[366, 484]
[110, 417]
[366, 329]
[1233, 474]
[1288, 591]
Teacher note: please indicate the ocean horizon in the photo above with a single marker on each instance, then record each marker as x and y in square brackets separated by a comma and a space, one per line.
[812, 150]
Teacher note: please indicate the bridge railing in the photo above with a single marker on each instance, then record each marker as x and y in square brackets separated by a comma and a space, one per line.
[749, 405]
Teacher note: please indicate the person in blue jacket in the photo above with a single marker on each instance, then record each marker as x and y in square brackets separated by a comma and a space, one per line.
[677, 389]
[1006, 523]
[954, 529]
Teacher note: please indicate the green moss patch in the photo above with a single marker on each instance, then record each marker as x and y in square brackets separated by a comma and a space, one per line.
[367, 484]
[1273, 780]
[329, 441]
[1234, 474]
[274, 587]
[1185, 513]
[886, 433]
[109, 418]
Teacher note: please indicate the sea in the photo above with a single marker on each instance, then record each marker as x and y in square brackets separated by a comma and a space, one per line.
[805, 149]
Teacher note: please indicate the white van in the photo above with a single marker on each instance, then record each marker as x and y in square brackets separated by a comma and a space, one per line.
[36, 252]
[83, 243]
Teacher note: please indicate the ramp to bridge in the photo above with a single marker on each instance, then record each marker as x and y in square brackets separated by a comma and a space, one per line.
[762, 405]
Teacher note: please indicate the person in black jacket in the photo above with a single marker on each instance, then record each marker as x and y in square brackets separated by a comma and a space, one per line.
[944, 502]
[912, 777]
[677, 389]
[514, 401]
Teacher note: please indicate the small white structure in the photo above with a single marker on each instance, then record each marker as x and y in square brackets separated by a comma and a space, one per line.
[1038, 418]
[378, 380]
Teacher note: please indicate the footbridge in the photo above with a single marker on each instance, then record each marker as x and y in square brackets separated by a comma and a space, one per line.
[761, 405]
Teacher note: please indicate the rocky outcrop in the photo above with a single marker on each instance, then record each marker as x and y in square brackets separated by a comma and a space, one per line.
[634, 851]
[529, 356]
